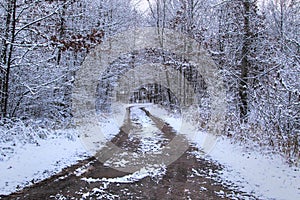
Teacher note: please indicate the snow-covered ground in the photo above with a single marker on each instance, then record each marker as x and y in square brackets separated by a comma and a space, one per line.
[31, 162]
[155, 172]
[266, 177]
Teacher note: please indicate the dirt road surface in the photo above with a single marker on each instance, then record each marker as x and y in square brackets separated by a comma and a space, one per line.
[189, 177]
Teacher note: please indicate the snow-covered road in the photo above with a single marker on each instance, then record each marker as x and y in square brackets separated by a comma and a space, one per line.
[246, 170]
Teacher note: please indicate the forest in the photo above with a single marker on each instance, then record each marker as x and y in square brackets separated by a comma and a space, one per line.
[254, 43]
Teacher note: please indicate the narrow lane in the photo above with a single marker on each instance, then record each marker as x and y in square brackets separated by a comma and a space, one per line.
[189, 177]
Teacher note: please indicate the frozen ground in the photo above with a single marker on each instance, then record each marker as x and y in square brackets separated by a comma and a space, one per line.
[31, 162]
[266, 177]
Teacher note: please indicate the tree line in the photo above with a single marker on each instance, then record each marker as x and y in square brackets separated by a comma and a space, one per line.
[255, 44]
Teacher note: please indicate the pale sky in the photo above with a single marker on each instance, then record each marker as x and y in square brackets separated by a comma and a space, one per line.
[141, 5]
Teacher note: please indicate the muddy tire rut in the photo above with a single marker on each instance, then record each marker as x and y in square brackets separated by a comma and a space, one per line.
[189, 177]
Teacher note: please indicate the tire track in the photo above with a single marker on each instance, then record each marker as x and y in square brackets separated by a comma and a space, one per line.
[188, 177]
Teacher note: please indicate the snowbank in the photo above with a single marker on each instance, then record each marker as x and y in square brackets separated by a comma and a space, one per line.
[266, 176]
[31, 162]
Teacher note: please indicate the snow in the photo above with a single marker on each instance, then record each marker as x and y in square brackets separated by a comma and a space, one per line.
[101, 194]
[155, 171]
[261, 175]
[265, 176]
[81, 170]
[31, 163]
[150, 140]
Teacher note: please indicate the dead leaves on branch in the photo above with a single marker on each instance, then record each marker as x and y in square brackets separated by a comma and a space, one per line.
[78, 42]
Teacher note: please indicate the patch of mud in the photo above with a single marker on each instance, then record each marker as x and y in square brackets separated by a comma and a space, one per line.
[189, 177]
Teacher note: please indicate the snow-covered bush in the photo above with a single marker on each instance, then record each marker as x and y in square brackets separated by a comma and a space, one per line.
[16, 133]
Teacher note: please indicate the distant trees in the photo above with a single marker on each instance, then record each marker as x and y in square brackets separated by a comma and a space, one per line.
[261, 66]
[25, 57]
[279, 101]
[256, 45]
[42, 45]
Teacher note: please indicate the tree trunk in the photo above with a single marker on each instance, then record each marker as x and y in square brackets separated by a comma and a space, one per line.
[61, 31]
[6, 55]
[243, 83]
